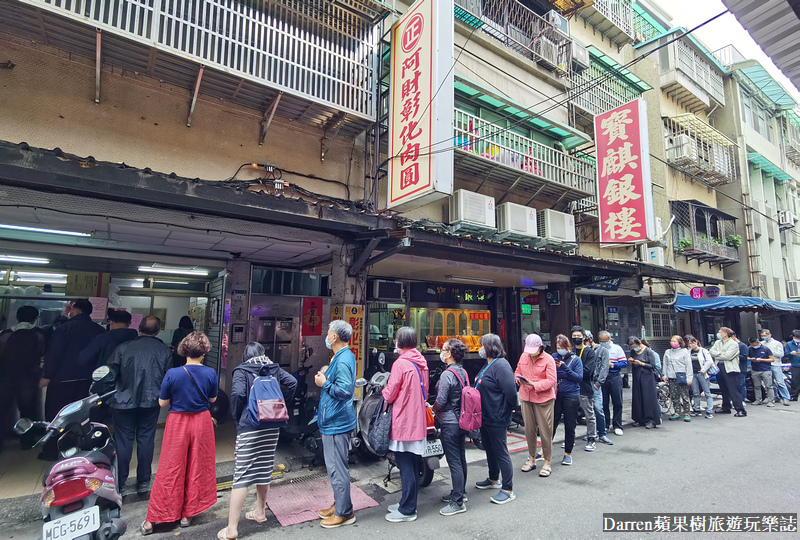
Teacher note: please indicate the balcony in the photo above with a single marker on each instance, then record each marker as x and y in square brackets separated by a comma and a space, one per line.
[489, 152]
[791, 130]
[520, 29]
[644, 29]
[705, 234]
[613, 19]
[698, 149]
[312, 60]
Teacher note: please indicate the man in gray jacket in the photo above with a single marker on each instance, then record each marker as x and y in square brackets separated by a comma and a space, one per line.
[601, 367]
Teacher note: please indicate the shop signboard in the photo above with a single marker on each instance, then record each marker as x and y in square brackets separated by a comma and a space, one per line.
[421, 116]
[87, 284]
[712, 292]
[608, 284]
[312, 317]
[354, 315]
[99, 308]
[696, 293]
[624, 189]
[450, 295]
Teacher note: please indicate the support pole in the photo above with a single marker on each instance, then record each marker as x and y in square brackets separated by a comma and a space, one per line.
[265, 122]
[97, 66]
[194, 96]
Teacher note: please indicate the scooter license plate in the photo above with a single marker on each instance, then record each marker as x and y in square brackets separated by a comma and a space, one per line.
[72, 525]
[433, 448]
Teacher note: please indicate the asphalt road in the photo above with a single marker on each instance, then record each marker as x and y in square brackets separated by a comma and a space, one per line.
[719, 465]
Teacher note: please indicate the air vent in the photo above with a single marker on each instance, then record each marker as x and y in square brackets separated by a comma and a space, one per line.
[389, 291]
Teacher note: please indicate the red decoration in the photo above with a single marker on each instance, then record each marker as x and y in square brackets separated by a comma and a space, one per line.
[312, 317]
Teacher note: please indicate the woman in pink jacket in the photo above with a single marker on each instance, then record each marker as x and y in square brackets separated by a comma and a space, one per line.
[536, 376]
[407, 391]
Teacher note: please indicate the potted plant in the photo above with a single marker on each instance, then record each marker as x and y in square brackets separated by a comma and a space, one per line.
[684, 244]
[733, 240]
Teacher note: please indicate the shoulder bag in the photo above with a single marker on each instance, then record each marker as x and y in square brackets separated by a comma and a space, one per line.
[202, 394]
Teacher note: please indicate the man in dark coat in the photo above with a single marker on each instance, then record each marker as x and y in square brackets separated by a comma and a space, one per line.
[67, 375]
[102, 347]
[141, 365]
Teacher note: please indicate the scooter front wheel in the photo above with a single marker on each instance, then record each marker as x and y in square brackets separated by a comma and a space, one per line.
[425, 474]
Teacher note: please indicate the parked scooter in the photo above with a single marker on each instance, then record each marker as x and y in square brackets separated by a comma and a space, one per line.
[371, 398]
[81, 497]
[302, 426]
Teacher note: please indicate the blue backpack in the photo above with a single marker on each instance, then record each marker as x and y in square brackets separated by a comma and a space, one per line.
[266, 407]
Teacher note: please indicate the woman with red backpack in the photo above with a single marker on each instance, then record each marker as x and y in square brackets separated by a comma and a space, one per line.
[448, 409]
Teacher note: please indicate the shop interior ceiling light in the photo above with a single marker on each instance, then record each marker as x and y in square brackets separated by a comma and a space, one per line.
[40, 230]
[465, 279]
[176, 271]
[24, 260]
[39, 277]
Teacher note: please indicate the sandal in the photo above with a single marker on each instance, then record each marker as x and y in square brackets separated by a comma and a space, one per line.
[144, 531]
[251, 515]
[223, 535]
[529, 466]
[186, 523]
[545, 472]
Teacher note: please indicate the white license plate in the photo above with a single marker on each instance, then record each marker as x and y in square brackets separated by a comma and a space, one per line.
[72, 525]
[433, 448]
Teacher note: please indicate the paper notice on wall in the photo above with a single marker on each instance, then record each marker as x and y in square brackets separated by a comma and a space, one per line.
[99, 308]
[136, 319]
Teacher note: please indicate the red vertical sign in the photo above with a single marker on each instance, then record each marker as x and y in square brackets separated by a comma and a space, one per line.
[625, 195]
[312, 317]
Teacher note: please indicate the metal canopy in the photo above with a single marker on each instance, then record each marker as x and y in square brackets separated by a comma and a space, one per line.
[766, 165]
[771, 88]
[618, 70]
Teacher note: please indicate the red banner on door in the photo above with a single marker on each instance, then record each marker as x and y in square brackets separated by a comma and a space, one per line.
[312, 317]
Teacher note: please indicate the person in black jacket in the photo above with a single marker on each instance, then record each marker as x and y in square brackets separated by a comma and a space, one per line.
[141, 364]
[99, 351]
[498, 391]
[66, 375]
[582, 350]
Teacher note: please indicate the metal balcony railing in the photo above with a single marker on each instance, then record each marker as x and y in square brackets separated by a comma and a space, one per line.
[308, 48]
[728, 55]
[703, 233]
[594, 91]
[791, 129]
[494, 144]
[619, 12]
[643, 29]
[695, 66]
[698, 149]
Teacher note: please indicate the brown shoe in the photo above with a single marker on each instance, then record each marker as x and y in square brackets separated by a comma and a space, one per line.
[327, 512]
[337, 521]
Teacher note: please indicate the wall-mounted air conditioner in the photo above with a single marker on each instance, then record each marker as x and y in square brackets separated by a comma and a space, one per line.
[580, 58]
[793, 288]
[559, 22]
[470, 210]
[681, 148]
[654, 255]
[388, 291]
[516, 221]
[786, 219]
[546, 52]
[556, 226]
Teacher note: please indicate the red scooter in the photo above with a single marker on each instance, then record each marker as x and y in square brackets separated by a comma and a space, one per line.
[81, 497]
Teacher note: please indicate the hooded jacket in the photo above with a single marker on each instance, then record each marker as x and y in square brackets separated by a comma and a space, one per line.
[241, 381]
[336, 412]
[407, 391]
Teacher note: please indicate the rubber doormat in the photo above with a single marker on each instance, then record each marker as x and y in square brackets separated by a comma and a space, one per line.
[299, 502]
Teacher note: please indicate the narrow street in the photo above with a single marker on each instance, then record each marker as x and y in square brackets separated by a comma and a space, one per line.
[706, 466]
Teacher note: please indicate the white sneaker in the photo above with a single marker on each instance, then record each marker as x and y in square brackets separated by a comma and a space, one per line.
[617, 432]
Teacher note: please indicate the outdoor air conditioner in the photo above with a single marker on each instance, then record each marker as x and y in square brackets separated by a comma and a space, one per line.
[471, 6]
[556, 226]
[388, 291]
[472, 211]
[516, 221]
[655, 255]
[681, 148]
[546, 52]
[793, 288]
[580, 58]
[560, 23]
[786, 219]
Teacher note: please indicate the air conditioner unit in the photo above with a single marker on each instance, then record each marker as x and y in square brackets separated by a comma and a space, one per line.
[681, 149]
[655, 255]
[559, 23]
[546, 52]
[515, 221]
[388, 291]
[580, 58]
[472, 211]
[786, 219]
[471, 6]
[556, 226]
[793, 288]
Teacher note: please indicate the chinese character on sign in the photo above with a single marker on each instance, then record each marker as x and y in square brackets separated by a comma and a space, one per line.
[616, 160]
[440, 292]
[698, 523]
[409, 176]
[751, 524]
[614, 126]
[769, 523]
[468, 296]
[620, 191]
[621, 224]
[679, 524]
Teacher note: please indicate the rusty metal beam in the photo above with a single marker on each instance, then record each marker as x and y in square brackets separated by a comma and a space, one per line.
[97, 65]
[194, 96]
[266, 121]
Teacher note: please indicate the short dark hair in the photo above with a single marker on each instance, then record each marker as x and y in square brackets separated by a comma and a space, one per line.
[561, 339]
[150, 326]
[457, 349]
[253, 349]
[689, 337]
[578, 328]
[493, 346]
[194, 345]
[633, 340]
[753, 339]
[186, 323]
[119, 316]
[83, 305]
[766, 331]
[27, 314]
[406, 337]
[796, 333]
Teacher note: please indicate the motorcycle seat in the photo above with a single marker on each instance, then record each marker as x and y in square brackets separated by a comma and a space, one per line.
[98, 458]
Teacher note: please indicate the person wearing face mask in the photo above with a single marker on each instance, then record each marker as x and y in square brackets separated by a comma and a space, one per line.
[601, 366]
[536, 376]
[777, 365]
[498, 391]
[336, 421]
[678, 374]
[586, 398]
[612, 387]
[726, 352]
[569, 374]
[793, 352]
[701, 363]
[644, 401]
[760, 359]
[448, 409]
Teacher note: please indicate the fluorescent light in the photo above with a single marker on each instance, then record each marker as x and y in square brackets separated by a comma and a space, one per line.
[179, 271]
[26, 260]
[40, 277]
[465, 279]
[171, 282]
[47, 231]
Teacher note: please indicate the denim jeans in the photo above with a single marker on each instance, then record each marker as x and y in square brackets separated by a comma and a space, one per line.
[409, 464]
[780, 382]
[743, 385]
[700, 382]
[455, 452]
[612, 394]
[599, 415]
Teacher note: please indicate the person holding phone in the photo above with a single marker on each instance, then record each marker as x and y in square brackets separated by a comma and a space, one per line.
[569, 374]
[536, 377]
[645, 410]
[678, 373]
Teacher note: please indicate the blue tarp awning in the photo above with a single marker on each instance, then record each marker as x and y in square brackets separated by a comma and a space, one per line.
[747, 303]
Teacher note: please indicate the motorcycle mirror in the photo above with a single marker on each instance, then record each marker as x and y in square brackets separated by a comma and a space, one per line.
[361, 382]
[374, 350]
[381, 359]
[100, 373]
[23, 426]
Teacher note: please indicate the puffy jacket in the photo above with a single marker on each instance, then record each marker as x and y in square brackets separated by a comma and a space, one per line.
[542, 373]
[448, 394]
[99, 351]
[63, 361]
[241, 381]
[141, 364]
[336, 412]
[405, 391]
